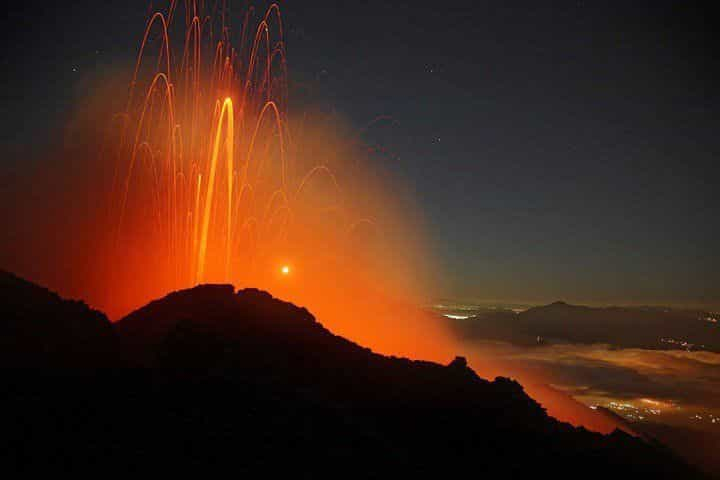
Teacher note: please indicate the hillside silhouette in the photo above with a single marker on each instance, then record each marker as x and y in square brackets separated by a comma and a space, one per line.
[209, 380]
[40, 329]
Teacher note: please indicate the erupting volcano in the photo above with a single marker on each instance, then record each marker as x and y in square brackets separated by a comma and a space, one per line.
[262, 272]
[208, 179]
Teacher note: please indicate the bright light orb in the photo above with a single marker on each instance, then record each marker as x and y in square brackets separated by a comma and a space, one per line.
[285, 270]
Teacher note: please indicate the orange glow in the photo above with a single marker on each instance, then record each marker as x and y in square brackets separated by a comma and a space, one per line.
[207, 177]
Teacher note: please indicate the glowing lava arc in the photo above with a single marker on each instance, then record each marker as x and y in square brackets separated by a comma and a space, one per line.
[227, 109]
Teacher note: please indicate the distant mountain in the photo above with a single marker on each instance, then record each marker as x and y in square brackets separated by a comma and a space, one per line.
[242, 383]
[640, 327]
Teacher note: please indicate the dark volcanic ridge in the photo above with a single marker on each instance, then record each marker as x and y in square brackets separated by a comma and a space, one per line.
[210, 379]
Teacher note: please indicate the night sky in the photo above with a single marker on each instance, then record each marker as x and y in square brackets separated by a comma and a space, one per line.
[556, 149]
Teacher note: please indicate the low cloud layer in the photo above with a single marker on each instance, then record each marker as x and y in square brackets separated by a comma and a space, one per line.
[687, 381]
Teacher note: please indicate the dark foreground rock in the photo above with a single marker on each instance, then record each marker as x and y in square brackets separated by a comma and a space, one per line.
[213, 382]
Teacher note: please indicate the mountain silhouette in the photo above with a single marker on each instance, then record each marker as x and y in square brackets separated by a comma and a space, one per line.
[627, 327]
[209, 380]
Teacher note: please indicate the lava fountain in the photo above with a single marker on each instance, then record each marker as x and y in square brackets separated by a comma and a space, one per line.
[194, 139]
